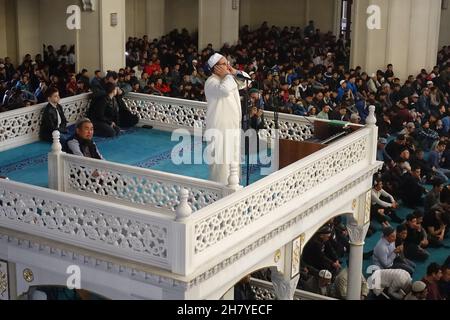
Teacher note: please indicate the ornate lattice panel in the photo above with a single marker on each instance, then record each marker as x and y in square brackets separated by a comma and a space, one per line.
[4, 281]
[136, 188]
[76, 109]
[290, 130]
[22, 122]
[263, 293]
[174, 114]
[91, 226]
[235, 217]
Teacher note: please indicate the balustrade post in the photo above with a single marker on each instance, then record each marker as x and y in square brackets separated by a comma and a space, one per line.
[184, 210]
[233, 179]
[371, 121]
[55, 166]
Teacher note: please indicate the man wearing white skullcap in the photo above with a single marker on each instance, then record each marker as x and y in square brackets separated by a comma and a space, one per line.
[321, 284]
[223, 118]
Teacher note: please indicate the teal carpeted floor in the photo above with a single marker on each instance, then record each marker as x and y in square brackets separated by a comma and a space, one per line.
[143, 148]
[436, 255]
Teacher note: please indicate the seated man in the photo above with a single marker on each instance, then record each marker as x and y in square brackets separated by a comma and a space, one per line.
[82, 144]
[434, 275]
[402, 233]
[109, 113]
[416, 241]
[385, 253]
[320, 285]
[383, 200]
[341, 283]
[53, 117]
[316, 255]
[436, 224]
[444, 282]
[412, 190]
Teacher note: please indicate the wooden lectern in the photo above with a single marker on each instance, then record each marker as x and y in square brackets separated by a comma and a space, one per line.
[292, 151]
[324, 133]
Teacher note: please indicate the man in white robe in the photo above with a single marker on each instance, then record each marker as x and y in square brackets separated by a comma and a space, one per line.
[223, 118]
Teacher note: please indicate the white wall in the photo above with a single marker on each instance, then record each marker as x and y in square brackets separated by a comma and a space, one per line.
[112, 44]
[28, 28]
[88, 42]
[136, 18]
[444, 36]
[3, 41]
[281, 13]
[53, 18]
[181, 14]
[11, 27]
[322, 12]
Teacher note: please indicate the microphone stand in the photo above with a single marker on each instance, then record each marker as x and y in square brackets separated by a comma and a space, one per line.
[276, 144]
[246, 127]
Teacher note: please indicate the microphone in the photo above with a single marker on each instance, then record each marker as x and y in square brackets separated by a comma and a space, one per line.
[243, 77]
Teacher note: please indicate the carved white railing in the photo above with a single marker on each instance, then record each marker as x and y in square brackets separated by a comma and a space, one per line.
[264, 291]
[112, 229]
[165, 113]
[132, 186]
[21, 126]
[170, 114]
[224, 218]
[220, 229]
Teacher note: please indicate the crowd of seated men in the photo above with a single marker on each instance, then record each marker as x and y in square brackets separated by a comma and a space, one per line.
[301, 72]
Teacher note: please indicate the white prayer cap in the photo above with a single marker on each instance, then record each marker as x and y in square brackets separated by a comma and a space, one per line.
[214, 59]
[418, 287]
[325, 274]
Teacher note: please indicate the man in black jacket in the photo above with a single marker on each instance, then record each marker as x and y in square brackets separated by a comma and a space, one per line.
[412, 190]
[104, 113]
[316, 255]
[53, 117]
[101, 90]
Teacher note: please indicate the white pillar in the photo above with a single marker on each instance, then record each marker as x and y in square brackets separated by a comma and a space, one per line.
[408, 37]
[357, 234]
[218, 23]
[101, 45]
[155, 17]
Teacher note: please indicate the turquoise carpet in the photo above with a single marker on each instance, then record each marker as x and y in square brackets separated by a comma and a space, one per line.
[143, 148]
[436, 255]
